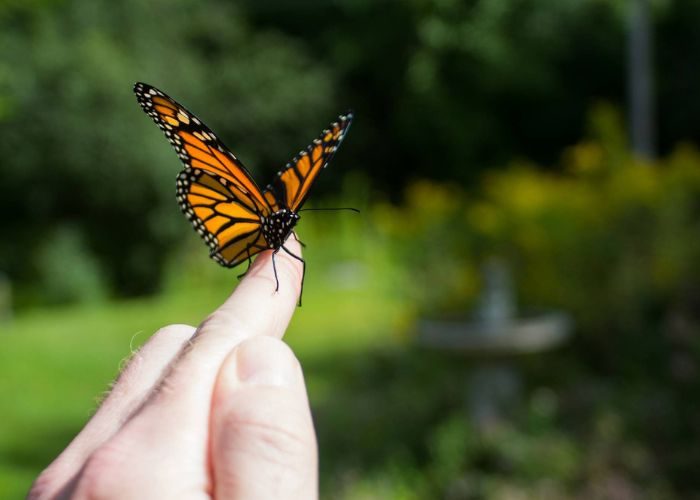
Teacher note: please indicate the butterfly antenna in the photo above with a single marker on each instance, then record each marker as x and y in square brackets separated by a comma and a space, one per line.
[330, 209]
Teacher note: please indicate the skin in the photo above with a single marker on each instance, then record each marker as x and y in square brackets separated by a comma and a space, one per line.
[218, 411]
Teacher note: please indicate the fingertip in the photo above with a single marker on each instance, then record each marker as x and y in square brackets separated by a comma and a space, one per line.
[265, 299]
[262, 361]
[283, 267]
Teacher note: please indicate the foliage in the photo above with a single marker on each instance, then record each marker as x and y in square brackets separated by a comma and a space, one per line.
[612, 240]
[68, 270]
[442, 90]
[56, 362]
[446, 88]
[612, 237]
[76, 149]
[612, 412]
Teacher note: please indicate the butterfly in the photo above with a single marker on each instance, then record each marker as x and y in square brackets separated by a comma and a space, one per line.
[219, 196]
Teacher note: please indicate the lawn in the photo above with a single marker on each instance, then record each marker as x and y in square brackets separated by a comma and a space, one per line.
[391, 418]
[56, 363]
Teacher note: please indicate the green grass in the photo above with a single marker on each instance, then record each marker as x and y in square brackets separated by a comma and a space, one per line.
[391, 418]
[56, 363]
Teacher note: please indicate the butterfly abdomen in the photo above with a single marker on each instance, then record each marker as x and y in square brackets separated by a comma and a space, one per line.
[277, 226]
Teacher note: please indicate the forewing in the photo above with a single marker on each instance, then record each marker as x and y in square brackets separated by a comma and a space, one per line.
[197, 146]
[292, 185]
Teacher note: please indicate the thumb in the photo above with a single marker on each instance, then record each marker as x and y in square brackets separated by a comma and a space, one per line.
[263, 442]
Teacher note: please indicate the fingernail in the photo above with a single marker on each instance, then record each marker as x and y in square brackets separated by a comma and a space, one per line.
[265, 361]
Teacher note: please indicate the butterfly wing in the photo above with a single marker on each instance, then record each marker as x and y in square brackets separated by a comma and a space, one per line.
[221, 214]
[215, 191]
[292, 185]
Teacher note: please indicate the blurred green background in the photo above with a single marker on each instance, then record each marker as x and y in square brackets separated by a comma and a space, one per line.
[484, 129]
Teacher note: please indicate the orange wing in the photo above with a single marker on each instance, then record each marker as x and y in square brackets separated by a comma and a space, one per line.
[215, 191]
[221, 214]
[292, 184]
[196, 145]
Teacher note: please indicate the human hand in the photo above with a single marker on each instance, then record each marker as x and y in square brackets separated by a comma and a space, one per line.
[220, 411]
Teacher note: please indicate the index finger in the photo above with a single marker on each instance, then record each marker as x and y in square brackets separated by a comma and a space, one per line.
[170, 430]
[254, 308]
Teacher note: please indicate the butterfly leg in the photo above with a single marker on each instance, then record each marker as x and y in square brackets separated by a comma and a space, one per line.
[298, 240]
[247, 269]
[303, 270]
[250, 262]
[274, 269]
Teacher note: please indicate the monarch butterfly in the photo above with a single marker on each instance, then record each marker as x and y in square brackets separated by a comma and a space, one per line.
[219, 196]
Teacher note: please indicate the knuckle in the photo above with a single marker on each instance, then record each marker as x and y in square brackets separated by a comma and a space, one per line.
[172, 333]
[258, 431]
[168, 339]
[103, 476]
[221, 320]
[276, 348]
[272, 443]
[42, 487]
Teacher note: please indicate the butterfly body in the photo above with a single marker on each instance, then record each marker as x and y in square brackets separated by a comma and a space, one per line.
[218, 195]
[278, 226]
